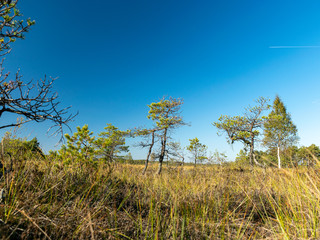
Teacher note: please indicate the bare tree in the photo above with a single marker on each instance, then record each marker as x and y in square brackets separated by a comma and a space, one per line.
[176, 151]
[31, 100]
[34, 101]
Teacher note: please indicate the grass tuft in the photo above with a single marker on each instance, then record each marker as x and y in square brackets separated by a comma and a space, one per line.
[45, 199]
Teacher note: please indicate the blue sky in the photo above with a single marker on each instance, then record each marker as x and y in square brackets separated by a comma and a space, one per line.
[115, 57]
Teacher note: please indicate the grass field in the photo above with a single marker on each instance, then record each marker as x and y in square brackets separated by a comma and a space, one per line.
[48, 200]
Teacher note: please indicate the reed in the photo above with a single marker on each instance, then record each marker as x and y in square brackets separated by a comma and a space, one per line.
[46, 199]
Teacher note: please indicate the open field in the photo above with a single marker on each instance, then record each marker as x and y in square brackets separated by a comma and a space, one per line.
[45, 199]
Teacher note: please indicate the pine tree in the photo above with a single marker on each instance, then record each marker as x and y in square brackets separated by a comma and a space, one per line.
[197, 150]
[246, 128]
[279, 130]
[111, 142]
[166, 116]
[80, 148]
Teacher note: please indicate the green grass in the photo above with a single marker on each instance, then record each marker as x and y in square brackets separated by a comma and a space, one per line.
[46, 199]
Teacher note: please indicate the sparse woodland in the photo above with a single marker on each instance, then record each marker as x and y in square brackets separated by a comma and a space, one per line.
[91, 188]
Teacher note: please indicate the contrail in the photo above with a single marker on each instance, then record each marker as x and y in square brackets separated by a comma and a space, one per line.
[294, 47]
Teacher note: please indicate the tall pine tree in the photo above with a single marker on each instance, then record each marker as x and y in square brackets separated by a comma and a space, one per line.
[279, 130]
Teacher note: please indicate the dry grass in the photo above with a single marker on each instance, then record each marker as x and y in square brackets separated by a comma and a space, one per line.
[47, 200]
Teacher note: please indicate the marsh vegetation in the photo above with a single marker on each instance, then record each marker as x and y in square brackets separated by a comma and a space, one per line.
[46, 199]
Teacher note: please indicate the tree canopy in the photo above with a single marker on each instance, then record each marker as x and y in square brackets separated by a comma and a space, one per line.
[197, 150]
[279, 130]
[246, 128]
[111, 142]
[166, 116]
[12, 27]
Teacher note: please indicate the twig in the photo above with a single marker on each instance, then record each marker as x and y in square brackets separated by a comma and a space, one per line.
[34, 223]
[90, 226]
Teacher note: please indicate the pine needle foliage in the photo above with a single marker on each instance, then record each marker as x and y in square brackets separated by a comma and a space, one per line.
[279, 130]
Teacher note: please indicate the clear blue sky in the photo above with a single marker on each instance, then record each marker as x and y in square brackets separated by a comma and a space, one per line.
[115, 57]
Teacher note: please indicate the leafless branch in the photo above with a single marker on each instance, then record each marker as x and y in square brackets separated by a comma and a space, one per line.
[35, 101]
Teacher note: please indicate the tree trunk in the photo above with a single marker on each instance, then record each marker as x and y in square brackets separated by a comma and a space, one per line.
[256, 162]
[163, 150]
[160, 168]
[278, 153]
[182, 161]
[112, 157]
[146, 165]
[2, 154]
[251, 154]
[149, 153]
